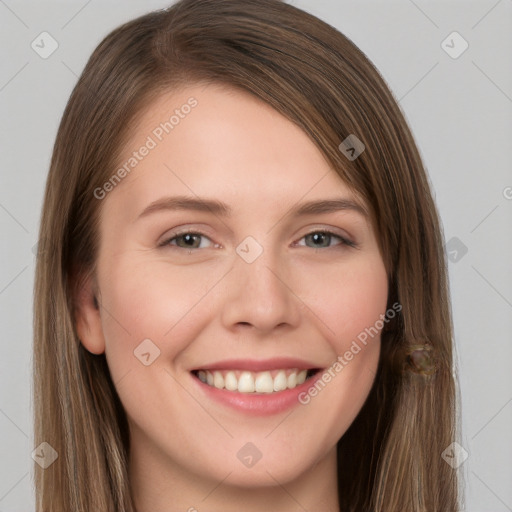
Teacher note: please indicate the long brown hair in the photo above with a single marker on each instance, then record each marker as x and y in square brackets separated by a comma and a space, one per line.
[390, 458]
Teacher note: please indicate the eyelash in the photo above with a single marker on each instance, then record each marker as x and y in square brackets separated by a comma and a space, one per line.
[344, 241]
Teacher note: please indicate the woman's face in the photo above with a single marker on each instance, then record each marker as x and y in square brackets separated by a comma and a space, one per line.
[214, 264]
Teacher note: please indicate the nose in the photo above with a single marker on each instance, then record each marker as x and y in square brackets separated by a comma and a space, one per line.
[260, 295]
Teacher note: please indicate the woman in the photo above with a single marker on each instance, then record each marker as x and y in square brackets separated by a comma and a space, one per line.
[197, 346]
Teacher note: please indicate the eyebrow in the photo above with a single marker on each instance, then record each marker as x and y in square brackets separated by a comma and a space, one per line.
[222, 209]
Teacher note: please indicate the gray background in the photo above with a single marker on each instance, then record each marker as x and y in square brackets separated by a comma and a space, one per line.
[460, 112]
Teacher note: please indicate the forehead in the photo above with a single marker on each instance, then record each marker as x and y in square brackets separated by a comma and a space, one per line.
[217, 141]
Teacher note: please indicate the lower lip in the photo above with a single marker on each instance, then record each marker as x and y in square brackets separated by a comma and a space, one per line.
[258, 404]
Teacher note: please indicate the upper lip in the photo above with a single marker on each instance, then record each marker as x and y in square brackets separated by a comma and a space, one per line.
[253, 365]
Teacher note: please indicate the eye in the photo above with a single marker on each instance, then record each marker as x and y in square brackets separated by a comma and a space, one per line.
[186, 240]
[321, 239]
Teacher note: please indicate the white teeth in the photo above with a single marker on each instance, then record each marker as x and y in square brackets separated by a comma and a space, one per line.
[280, 381]
[246, 383]
[230, 381]
[250, 382]
[292, 380]
[264, 383]
[218, 380]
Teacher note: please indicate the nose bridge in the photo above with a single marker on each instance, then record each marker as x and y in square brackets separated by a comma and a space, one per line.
[258, 293]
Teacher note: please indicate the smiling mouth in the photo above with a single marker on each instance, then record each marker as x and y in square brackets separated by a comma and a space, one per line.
[243, 381]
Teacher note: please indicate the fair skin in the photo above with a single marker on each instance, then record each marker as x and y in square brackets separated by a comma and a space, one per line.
[200, 302]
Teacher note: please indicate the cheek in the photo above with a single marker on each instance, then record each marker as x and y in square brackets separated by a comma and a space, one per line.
[148, 300]
[349, 300]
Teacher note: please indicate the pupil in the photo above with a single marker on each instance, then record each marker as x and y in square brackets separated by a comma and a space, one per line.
[189, 239]
[319, 237]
